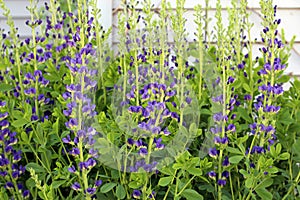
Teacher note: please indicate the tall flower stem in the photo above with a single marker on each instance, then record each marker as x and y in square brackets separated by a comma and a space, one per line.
[32, 12]
[200, 38]
[96, 14]
[82, 20]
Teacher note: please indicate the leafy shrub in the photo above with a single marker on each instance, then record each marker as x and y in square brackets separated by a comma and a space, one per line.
[154, 119]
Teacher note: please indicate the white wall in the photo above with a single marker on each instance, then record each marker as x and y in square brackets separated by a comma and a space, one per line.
[20, 14]
[287, 10]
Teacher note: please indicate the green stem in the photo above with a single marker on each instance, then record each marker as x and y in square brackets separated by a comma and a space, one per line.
[190, 180]
[292, 186]
[169, 187]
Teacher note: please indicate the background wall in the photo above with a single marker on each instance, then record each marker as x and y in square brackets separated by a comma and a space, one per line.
[20, 14]
[288, 11]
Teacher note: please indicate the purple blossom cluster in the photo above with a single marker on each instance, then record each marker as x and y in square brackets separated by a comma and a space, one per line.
[10, 170]
[80, 110]
[152, 110]
[265, 103]
[222, 129]
[67, 50]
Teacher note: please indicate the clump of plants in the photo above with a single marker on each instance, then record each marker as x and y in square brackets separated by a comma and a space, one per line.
[163, 114]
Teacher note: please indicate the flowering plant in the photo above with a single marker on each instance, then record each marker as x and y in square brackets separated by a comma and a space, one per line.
[160, 117]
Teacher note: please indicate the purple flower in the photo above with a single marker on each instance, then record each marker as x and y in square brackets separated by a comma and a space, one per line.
[152, 195]
[143, 152]
[130, 141]
[98, 183]
[213, 152]
[226, 162]
[188, 100]
[4, 124]
[174, 115]
[26, 194]
[221, 182]
[90, 163]
[158, 143]
[91, 190]
[247, 97]
[72, 169]
[76, 186]
[231, 128]
[72, 123]
[9, 185]
[156, 130]
[67, 139]
[230, 80]
[75, 151]
[225, 174]
[136, 194]
[241, 66]
[218, 117]
[135, 109]
[212, 174]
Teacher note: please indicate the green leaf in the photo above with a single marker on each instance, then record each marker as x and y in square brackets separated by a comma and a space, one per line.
[6, 87]
[205, 111]
[134, 184]
[19, 123]
[264, 194]
[296, 146]
[57, 184]
[107, 187]
[17, 114]
[168, 171]
[164, 181]
[246, 87]
[30, 183]
[24, 137]
[244, 172]
[272, 151]
[284, 79]
[244, 114]
[191, 194]
[195, 171]
[272, 170]
[297, 84]
[36, 167]
[249, 182]
[235, 159]
[284, 156]
[278, 148]
[233, 150]
[120, 192]
[265, 183]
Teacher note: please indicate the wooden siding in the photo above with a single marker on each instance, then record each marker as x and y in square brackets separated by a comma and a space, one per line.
[287, 10]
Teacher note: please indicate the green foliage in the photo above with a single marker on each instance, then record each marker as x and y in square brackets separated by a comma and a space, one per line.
[251, 153]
